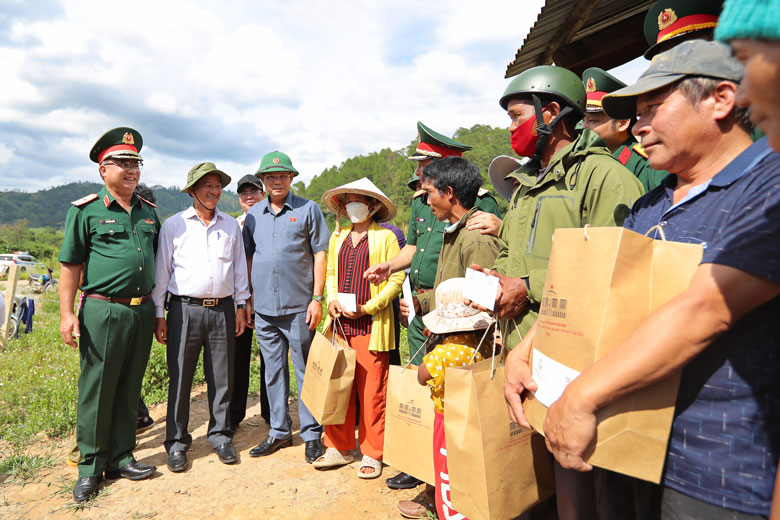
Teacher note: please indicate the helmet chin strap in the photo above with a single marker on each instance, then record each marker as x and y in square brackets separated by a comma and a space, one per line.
[544, 129]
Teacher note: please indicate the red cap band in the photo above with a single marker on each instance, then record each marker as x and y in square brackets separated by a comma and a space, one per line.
[115, 148]
[441, 150]
[694, 22]
[594, 98]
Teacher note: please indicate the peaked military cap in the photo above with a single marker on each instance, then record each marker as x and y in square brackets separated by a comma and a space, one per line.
[434, 145]
[200, 170]
[122, 143]
[598, 83]
[276, 161]
[249, 179]
[671, 19]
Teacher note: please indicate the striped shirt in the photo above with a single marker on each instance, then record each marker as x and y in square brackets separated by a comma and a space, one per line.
[353, 261]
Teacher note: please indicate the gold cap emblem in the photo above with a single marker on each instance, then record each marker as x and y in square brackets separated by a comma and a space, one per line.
[128, 138]
[666, 18]
[590, 85]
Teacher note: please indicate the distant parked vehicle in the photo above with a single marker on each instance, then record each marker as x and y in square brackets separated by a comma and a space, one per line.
[23, 260]
[42, 282]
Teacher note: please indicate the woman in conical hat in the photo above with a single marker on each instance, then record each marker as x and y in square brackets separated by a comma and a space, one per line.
[363, 316]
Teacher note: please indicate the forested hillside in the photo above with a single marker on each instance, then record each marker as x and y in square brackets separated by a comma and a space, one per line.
[47, 208]
[388, 169]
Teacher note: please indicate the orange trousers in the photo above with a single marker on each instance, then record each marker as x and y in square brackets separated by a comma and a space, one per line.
[370, 387]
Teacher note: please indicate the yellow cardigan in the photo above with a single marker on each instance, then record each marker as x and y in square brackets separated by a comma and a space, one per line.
[382, 246]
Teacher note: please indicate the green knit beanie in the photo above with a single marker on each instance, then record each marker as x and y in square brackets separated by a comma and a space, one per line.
[749, 19]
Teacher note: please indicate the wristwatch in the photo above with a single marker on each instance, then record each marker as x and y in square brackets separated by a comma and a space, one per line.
[240, 306]
[316, 297]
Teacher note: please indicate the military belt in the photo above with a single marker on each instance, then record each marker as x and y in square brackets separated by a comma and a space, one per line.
[205, 302]
[134, 301]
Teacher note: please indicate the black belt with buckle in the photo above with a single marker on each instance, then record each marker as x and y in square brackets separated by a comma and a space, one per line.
[205, 302]
[132, 301]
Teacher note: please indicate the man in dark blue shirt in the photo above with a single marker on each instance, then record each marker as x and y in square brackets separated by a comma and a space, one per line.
[725, 194]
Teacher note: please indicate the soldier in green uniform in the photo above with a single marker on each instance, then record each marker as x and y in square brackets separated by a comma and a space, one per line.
[616, 133]
[113, 234]
[424, 241]
[570, 181]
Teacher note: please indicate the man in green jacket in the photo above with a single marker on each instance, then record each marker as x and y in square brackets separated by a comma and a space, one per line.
[570, 181]
[616, 133]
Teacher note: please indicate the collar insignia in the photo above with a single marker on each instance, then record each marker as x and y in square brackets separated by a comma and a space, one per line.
[666, 18]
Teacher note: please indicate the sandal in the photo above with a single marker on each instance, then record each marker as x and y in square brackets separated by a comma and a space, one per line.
[333, 459]
[368, 462]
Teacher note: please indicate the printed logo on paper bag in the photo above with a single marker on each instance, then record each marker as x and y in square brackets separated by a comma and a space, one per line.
[317, 368]
[552, 305]
[410, 410]
[515, 429]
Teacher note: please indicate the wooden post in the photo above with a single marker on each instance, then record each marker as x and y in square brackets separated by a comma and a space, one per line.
[10, 294]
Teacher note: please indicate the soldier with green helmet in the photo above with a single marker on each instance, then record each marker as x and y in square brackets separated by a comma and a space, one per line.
[616, 133]
[113, 235]
[570, 181]
[424, 241]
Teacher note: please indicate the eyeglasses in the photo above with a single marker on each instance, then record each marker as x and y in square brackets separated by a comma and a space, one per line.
[246, 193]
[127, 164]
[270, 178]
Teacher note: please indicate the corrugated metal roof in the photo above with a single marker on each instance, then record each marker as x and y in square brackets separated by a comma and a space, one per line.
[563, 22]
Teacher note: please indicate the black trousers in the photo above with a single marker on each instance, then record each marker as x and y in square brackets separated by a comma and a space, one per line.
[242, 359]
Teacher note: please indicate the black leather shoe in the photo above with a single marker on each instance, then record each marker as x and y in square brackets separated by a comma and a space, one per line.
[85, 487]
[132, 470]
[177, 461]
[144, 423]
[402, 481]
[313, 450]
[270, 445]
[226, 453]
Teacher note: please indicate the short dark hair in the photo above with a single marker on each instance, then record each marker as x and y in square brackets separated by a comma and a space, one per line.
[145, 192]
[458, 173]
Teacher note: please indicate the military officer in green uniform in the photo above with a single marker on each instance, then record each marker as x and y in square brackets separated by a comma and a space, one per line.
[570, 181]
[113, 235]
[423, 244]
[616, 133]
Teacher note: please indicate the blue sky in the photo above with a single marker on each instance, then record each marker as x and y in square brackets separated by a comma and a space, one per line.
[229, 81]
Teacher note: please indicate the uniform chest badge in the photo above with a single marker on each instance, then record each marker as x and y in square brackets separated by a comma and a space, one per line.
[419, 219]
[109, 221]
[293, 219]
[149, 221]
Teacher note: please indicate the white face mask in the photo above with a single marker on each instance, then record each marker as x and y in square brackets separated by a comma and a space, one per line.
[357, 211]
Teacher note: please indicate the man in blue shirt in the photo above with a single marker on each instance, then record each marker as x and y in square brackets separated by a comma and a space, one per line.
[285, 237]
[724, 193]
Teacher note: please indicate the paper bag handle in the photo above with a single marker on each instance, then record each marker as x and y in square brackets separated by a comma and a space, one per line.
[415, 354]
[660, 231]
[333, 325]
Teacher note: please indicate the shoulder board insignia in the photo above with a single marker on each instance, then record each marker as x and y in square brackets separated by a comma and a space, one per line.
[624, 156]
[418, 193]
[84, 200]
[638, 149]
[146, 201]
[482, 192]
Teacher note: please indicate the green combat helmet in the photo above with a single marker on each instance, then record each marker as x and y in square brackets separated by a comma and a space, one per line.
[552, 82]
[276, 161]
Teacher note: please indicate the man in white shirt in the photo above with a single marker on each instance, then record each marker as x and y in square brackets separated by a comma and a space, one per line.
[200, 262]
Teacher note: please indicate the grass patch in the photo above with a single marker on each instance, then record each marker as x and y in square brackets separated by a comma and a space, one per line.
[20, 466]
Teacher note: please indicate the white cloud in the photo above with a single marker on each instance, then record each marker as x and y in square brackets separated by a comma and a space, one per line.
[236, 79]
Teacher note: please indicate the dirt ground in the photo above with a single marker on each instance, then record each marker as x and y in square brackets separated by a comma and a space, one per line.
[280, 486]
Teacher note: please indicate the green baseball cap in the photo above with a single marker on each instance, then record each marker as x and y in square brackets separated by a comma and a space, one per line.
[121, 143]
[750, 20]
[679, 20]
[691, 58]
[199, 171]
[547, 79]
[598, 83]
[276, 161]
[434, 145]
